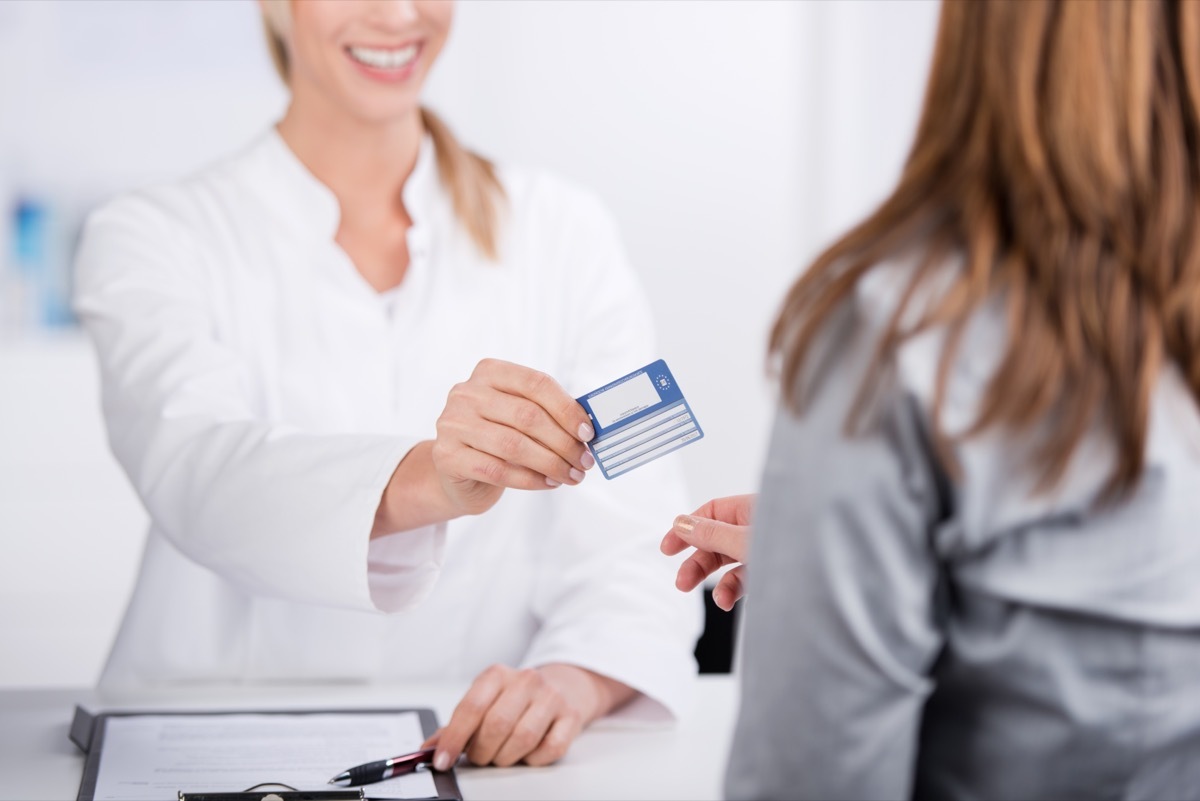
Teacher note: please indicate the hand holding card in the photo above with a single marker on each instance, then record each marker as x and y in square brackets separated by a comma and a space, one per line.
[508, 426]
[639, 418]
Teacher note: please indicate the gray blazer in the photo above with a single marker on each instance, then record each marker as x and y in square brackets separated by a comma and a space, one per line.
[907, 635]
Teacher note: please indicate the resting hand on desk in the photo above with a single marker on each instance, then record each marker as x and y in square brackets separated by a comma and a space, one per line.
[531, 716]
[506, 426]
[720, 532]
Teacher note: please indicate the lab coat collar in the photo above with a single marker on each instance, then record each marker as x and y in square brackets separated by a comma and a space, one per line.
[419, 189]
[302, 202]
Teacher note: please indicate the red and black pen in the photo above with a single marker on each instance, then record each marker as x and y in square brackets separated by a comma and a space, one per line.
[382, 769]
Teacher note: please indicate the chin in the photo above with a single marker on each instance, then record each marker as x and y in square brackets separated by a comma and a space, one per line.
[378, 111]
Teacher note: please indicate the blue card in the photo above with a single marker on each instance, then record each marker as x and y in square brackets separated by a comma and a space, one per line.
[639, 418]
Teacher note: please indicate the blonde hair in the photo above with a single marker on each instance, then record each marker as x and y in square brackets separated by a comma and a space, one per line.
[1059, 152]
[475, 191]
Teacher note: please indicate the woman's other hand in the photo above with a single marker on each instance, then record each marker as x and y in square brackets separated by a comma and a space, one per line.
[720, 532]
[531, 716]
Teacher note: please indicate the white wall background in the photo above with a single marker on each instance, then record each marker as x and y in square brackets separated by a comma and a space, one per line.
[731, 139]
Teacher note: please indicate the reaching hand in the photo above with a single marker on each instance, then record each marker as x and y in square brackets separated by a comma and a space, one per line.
[720, 532]
[508, 426]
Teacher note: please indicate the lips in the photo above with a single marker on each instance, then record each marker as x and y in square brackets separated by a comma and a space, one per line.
[382, 58]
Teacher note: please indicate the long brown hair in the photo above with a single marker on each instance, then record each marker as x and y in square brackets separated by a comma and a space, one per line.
[1058, 157]
[475, 191]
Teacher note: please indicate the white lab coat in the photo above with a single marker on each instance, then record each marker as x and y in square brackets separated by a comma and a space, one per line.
[259, 394]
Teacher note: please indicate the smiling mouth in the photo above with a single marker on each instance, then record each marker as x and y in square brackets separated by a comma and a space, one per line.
[385, 58]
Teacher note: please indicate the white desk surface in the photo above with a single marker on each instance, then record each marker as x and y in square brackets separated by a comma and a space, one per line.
[611, 760]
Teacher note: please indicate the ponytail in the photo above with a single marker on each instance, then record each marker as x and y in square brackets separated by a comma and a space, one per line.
[471, 179]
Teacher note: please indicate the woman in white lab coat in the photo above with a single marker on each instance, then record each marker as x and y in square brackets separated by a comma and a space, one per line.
[327, 365]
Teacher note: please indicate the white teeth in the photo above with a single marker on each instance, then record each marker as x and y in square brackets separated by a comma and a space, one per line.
[384, 59]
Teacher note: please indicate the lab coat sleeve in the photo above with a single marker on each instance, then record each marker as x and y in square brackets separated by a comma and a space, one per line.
[840, 631]
[605, 595]
[273, 510]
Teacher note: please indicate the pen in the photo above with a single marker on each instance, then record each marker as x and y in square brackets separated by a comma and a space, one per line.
[383, 769]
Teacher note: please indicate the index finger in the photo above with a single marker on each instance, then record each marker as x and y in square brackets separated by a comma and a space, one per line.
[543, 390]
[732, 509]
[672, 544]
[712, 536]
[465, 719]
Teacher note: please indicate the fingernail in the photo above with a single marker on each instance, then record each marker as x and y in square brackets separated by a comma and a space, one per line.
[685, 522]
[577, 475]
[441, 761]
[585, 432]
[587, 461]
[551, 482]
[717, 601]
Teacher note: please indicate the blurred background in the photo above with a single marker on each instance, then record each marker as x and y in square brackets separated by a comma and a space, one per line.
[731, 138]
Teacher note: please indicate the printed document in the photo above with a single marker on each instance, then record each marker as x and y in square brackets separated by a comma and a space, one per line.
[153, 757]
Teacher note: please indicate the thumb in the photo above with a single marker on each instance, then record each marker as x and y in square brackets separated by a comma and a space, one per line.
[714, 536]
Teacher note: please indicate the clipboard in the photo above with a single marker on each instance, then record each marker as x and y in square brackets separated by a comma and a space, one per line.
[88, 732]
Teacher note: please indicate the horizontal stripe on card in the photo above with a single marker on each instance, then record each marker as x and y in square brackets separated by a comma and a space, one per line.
[615, 438]
[650, 446]
[674, 445]
[642, 437]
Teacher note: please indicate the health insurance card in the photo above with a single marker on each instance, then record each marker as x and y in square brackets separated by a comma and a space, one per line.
[638, 418]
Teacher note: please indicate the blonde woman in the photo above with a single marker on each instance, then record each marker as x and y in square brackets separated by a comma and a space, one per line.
[338, 369]
[975, 556]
